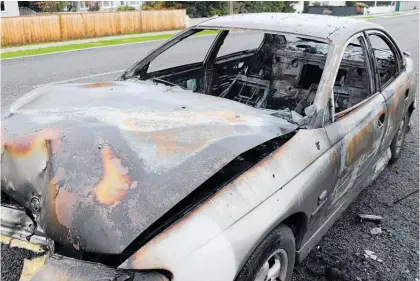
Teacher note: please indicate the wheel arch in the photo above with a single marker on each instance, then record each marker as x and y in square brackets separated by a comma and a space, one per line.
[297, 221]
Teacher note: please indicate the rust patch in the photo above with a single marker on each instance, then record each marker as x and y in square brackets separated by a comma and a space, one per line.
[130, 124]
[115, 181]
[64, 207]
[334, 160]
[98, 85]
[55, 215]
[55, 145]
[175, 144]
[163, 145]
[38, 141]
[360, 142]
[392, 106]
[228, 116]
[59, 175]
[181, 117]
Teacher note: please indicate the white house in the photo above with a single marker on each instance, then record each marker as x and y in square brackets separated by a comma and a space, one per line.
[9, 9]
[408, 5]
[106, 5]
[298, 6]
[113, 5]
[329, 3]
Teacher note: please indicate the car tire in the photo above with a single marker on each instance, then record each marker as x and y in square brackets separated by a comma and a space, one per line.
[277, 248]
[398, 140]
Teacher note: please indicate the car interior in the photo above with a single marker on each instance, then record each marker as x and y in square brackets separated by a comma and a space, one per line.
[283, 73]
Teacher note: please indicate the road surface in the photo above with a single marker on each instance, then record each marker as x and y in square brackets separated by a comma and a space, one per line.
[341, 252]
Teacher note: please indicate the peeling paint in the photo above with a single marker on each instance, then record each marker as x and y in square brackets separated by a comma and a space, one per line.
[34, 143]
[99, 85]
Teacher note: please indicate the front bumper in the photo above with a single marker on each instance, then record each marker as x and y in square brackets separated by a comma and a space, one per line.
[16, 224]
[62, 268]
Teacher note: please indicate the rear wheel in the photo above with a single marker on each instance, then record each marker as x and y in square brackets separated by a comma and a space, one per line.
[273, 259]
[398, 141]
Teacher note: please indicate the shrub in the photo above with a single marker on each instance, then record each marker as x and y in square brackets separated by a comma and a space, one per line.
[125, 8]
[51, 6]
[93, 6]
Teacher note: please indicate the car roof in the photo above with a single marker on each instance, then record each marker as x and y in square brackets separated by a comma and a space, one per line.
[330, 28]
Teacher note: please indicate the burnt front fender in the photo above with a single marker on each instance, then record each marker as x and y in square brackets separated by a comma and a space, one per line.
[67, 269]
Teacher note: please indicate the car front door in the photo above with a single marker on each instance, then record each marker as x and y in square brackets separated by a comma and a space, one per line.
[359, 122]
[392, 80]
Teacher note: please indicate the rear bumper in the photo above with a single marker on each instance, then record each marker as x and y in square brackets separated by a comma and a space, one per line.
[16, 224]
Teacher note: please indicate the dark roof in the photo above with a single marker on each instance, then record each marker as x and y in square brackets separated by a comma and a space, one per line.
[336, 29]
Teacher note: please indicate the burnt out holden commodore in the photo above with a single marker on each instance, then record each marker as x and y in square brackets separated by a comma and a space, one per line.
[217, 157]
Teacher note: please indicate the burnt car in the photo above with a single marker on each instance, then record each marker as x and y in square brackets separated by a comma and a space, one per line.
[224, 156]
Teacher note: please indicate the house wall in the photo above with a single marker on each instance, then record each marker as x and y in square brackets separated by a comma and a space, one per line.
[82, 6]
[329, 3]
[409, 5]
[333, 3]
[340, 11]
[298, 6]
[113, 5]
[378, 10]
[11, 9]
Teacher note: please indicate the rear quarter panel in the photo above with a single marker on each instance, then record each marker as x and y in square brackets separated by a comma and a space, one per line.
[396, 101]
[413, 81]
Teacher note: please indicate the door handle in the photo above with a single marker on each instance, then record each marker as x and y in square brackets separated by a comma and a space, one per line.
[381, 120]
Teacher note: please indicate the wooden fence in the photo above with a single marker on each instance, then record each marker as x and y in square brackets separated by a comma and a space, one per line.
[67, 26]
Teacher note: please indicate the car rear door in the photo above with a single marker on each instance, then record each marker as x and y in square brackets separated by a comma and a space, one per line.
[392, 80]
[359, 123]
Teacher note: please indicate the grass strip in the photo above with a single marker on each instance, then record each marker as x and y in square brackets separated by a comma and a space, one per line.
[81, 46]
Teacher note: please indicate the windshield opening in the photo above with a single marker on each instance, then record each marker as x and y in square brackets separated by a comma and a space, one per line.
[275, 72]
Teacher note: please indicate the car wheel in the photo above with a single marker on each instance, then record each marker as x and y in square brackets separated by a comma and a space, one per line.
[398, 141]
[273, 259]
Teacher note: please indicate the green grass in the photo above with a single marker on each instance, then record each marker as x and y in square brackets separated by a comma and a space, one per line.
[366, 17]
[81, 46]
[358, 17]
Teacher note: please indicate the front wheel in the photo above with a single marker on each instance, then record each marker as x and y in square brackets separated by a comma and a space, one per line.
[273, 259]
[399, 139]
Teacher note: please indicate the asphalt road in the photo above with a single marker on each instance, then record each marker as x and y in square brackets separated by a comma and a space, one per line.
[21, 75]
[341, 250]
